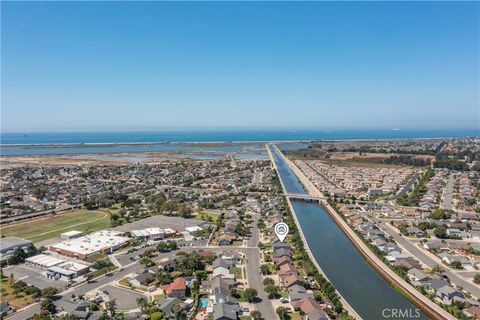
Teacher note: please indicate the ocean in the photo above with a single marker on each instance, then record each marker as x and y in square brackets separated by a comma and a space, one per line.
[158, 141]
[225, 135]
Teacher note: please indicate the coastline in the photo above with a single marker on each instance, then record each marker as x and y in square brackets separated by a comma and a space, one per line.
[91, 138]
[429, 307]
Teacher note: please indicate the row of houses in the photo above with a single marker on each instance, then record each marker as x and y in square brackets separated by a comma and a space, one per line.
[360, 181]
[299, 296]
[220, 304]
[229, 233]
[442, 289]
[431, 198]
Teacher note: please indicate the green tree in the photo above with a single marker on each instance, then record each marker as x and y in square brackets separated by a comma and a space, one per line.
[282, 313]
[251, 295]
[146, 261]
[112, 307]
[163, 277]
[44, 315]
[49, 292]
[268, 281]
[172, 245]
[272, 291]
[142, 303]
[18, 256]
[440, 214]
[476, 279]
[256, 315]
[149, 252]
[163, 247]
[456, 264]
[48, 306]
[265, 269]
[261, 224]
[69, 316]
[156, 316]
[440, 232]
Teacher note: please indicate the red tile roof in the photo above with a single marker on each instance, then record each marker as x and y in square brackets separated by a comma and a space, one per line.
[177, 284]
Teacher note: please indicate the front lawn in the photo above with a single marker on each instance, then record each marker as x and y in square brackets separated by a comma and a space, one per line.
[237, 272]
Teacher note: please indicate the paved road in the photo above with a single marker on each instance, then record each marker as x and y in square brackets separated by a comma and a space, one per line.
[253, 272]
[424, 257]
[365, 250]
[252, 256]
[82, 289]
[448, 193]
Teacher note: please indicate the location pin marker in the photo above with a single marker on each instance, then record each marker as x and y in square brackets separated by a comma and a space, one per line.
[281, 230]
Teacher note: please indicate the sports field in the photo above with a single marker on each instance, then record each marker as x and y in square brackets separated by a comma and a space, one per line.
[52, 226]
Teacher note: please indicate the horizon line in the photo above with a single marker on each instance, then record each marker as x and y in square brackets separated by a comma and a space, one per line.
[246, 128]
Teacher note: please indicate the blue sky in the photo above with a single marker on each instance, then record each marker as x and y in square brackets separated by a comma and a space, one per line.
[155, 65]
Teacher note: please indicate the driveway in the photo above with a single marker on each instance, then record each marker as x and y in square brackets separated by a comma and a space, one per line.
[424, 257]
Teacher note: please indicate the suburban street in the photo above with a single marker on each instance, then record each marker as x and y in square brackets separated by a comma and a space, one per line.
[425, 258]
[447, 196]
[252, 258]
[253, 272]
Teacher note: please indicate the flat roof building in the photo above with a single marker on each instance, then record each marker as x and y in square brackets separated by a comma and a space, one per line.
[105, 241]
[9, 244]
[57, 267]
[149, 233]
[71, 234]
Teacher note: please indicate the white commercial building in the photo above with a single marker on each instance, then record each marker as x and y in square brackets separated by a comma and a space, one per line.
[71, 234]
[193, 229]
[153, 233]
[149, 233]
[58, 268]
[105, 241]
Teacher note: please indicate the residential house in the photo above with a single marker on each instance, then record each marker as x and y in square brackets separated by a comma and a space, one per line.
[166, 305]
[222, 272]
[473, 311]
[177, 288]
[282, 260]
[142, 279]
[446, 293]
[415, 274]
[226, 311]
[298, 292]
[292, 280]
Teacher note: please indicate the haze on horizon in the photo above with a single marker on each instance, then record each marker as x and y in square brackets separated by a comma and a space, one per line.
[153, 65]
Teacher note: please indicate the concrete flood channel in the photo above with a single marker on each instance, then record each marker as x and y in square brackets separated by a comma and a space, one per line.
[364, 289]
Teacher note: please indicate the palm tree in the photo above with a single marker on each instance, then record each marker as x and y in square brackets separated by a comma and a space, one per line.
[142, 303]
[112, 307]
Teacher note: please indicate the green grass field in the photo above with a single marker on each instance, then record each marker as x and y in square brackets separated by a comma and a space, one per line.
[53, 226]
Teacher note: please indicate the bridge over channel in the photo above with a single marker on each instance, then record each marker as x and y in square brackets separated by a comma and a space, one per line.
[305, 197]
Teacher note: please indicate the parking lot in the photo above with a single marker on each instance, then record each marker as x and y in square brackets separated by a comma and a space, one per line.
[33, 276]
[125, 299]
[163, 222]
